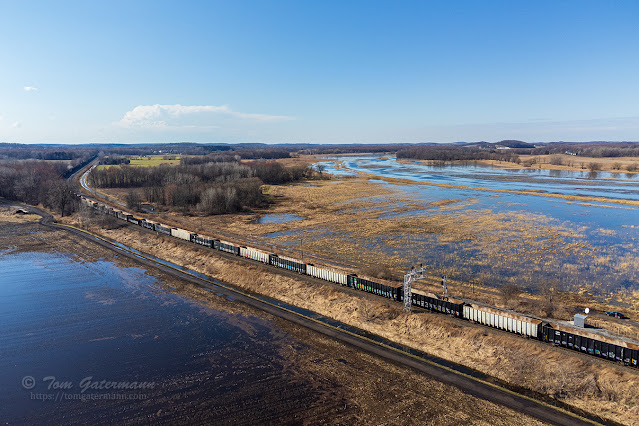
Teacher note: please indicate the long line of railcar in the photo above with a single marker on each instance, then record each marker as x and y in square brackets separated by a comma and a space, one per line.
[613, 349]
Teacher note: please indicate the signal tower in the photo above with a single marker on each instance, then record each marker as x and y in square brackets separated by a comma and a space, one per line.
[414, 274]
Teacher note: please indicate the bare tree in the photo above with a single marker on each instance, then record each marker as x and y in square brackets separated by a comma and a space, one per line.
[510, 293]
[62, 197]
[594, 167]
[133, 200]
[548, 290]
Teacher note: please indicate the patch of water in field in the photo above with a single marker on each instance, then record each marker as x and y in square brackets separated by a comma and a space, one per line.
[65, 321]
[278, 218]
[331, 165]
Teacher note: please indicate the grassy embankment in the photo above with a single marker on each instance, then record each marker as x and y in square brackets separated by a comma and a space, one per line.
[584, 382]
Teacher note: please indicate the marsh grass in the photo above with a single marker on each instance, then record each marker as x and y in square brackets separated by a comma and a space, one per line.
[582, 381]
[365, 226]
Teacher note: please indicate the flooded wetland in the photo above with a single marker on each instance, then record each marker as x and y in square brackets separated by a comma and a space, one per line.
[469, 229]
[539, 229]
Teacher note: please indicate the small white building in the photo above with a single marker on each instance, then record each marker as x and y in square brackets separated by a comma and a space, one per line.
[580, 320]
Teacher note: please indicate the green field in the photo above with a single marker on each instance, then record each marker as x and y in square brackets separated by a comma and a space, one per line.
[148, 161]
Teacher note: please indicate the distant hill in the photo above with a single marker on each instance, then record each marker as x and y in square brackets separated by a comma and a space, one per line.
[514, 144]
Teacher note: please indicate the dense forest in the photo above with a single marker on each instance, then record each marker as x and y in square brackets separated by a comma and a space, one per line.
[488, 151]
[37, 175]
[38, 182]
[444, 153]
[25, 152]
[211, 187]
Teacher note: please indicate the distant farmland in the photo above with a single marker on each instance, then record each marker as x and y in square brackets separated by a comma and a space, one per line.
[147, 161]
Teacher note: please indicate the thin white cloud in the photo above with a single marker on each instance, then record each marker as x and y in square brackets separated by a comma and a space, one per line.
[16, 125]
[191, 116]
[30, 89]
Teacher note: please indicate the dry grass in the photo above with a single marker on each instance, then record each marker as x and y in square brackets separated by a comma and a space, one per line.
[348, 221]
[7, 215]
[587, 383]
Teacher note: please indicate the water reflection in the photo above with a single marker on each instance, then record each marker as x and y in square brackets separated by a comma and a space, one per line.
[278, 218]
[69, 318]
[512, 236]
[566, 182]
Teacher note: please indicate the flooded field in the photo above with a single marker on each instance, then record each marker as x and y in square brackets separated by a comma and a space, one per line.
[490, 236]
[585, 183]
[65, 319]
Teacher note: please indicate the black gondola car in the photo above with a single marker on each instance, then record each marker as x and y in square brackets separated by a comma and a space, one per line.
[132, 219]
[450, 307]
[590, 345]
[162, 229]
[224, 246]
[146, 224]
[203, 241]
[371, 286]
[289, 264]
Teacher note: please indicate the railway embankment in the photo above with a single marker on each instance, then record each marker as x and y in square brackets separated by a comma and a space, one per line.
[342, 390]
[592, 385]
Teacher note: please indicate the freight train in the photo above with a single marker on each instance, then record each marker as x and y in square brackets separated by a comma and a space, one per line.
[580, 340]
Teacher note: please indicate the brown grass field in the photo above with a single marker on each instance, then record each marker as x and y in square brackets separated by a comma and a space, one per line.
[148, 161]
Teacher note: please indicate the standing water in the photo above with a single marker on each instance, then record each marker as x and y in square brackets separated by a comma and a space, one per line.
[92, 341]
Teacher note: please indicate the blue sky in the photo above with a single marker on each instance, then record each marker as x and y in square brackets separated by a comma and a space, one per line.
[318, 71]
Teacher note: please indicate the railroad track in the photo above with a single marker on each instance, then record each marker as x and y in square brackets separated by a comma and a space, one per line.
[472, 383]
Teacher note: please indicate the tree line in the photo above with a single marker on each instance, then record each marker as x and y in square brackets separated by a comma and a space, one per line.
[597, 150]
[445, 153]
[209, 188]
[38, 182]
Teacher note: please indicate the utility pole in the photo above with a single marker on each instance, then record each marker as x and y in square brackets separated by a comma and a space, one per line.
[444, 288]
[413, 275]
[301, 250]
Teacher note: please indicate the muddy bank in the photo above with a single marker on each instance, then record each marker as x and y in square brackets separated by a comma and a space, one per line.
[309, 379]
[590, 384]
